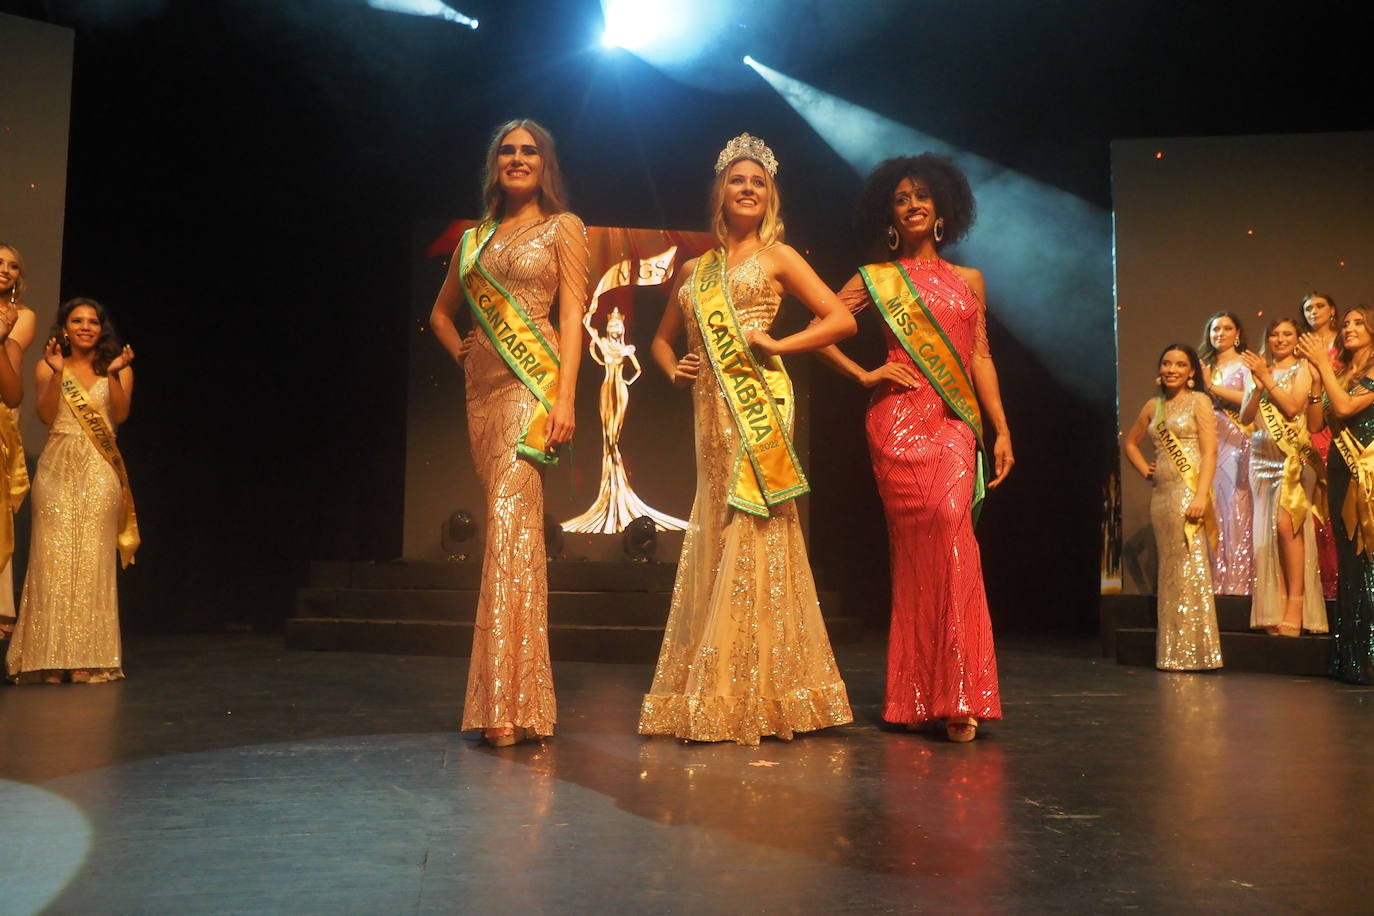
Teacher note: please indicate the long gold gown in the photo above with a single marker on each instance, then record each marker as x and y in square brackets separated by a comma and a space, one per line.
[745, 653]
[1187, 638]
[510, 679]
[69, 612]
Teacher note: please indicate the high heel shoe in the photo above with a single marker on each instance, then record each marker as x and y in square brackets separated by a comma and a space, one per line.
[1288, 629]
[961, 729]
[504, 737]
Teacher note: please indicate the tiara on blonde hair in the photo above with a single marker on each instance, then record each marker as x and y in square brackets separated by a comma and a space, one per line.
[747, 147]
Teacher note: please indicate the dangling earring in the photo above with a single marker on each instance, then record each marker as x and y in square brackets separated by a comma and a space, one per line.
[1159, 381]
[893, 239]
[1190, 381]
[940, 229]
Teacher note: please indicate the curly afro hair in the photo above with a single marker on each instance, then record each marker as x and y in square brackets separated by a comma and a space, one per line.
[953, 200]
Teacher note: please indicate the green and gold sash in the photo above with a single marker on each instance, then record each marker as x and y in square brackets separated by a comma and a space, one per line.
[1293, 440]
[14, 478]
[92, 422]
[515, 337]
[759, 395]
[1191, 474]
[1358, 509]
[925, 342]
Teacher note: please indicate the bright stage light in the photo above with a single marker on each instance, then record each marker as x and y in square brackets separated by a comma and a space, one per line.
[748, 61]
[434, 9]
[638, 24]
[1047, 254]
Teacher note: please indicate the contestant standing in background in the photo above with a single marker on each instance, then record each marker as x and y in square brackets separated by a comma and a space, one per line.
[745, 652]
[1287, 597]
[926, 455]
[1184, 428]
[16, 333]
[527, 257]
[83, 515]
[1346, 405]
[1322, 319]
[1226, 382]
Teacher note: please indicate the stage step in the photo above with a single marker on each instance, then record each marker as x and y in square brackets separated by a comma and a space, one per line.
[1127, 626]
[1255, 652]
[606, 612]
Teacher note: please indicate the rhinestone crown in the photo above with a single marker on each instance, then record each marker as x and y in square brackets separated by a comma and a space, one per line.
[747, 147]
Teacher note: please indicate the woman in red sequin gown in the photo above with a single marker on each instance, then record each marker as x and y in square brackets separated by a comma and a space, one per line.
[1321, 317]
[940, 664]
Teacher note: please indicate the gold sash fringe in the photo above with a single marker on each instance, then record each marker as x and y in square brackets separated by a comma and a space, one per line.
[925, 342]
[1295, 443]
[1191, 475]
[103, 438]
[759, 394]
[1358, 510]
[513, 335]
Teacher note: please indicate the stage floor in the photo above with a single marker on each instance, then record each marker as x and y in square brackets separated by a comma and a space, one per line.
[229, 775]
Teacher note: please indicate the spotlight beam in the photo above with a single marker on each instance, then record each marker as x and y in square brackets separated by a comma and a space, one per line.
[1046, 252]
[433, 9]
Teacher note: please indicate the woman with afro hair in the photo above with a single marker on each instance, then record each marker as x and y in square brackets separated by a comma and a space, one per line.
[925, 438]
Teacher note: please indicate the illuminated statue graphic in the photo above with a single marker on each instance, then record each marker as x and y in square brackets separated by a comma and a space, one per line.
[616, 503]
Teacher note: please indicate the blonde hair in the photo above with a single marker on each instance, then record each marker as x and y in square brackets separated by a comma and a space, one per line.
[19, 280]
[771, 228]
[553, 198]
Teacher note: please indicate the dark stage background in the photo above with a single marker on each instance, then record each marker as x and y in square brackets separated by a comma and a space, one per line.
[245, 174]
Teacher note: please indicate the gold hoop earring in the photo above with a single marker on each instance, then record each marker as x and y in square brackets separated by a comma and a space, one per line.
[940, 229]
[893, 239]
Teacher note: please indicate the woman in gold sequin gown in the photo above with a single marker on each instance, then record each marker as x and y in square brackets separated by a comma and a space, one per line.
[538, 254]
[745, 652]
[16, 333]
[1187, 637]
[69, 614]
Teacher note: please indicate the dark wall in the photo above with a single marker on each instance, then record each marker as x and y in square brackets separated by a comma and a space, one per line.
[244, 176]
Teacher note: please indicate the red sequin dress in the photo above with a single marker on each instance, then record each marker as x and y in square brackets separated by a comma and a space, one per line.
[1326, 543]
[940, 659]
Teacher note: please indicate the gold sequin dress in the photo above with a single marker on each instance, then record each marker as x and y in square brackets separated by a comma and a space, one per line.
[69, 612]
[510, 680]
[1187, 637]
[745, 653]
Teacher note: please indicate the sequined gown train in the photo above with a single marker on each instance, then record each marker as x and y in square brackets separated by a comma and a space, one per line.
[1233, 570]
[940, 657]
[510, 680]
[745, 652]
[1187, 638]
[1352, 624]
[1266, 474]
[69, 611]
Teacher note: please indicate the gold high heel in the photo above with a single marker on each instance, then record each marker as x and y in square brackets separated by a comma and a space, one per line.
[961, 729]
[502, 737]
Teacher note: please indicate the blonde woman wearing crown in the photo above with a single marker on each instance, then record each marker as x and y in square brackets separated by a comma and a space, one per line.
[745, 653]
